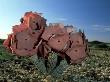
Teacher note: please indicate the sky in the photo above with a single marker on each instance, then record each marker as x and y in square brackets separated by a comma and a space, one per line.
[92, 16]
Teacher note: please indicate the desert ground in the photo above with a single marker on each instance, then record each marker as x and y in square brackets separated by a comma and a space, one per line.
[95, 68]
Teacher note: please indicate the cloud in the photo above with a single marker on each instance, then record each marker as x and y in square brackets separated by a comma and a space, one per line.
[61, 19]
[101, 28]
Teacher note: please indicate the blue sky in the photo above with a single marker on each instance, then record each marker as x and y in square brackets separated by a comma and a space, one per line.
[91, 15]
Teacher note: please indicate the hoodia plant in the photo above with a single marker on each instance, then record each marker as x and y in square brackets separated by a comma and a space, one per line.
[33, 37]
